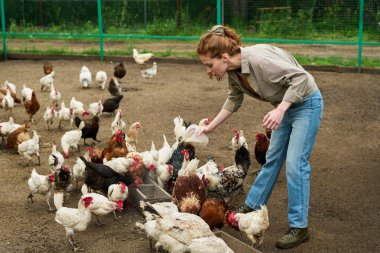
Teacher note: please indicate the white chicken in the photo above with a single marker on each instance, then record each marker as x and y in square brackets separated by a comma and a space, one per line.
[73, 219]
[238, 140]
[78, 107]
[11, 86]
[8, 103]
[101, 205]
[117, 192]
[165, 152]
[78, 171]
[55, 95]
[173, 230]
[179, 127]
[85, 77]
[26, 93]
[101, 78]
[8, 127]
[49, 115]
[151, 72]
[163, 173]
[30, 147]
[118, 123]
[253, 224]
[55, 159]
[65, 114]
[71, 139]
[209, 245]
[119, 164]
[141, 59]
[96, 108]
[46, 81]
[40, 184]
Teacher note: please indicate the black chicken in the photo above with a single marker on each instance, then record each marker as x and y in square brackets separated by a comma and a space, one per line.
[119, 70]
[89, 130]
[111, 104]
[99, 176]
[113, 88]
[176, 160]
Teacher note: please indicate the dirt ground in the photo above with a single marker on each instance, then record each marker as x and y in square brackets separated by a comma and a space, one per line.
[344, 200]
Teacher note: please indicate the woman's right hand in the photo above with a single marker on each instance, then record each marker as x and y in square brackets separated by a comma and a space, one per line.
[205, 130]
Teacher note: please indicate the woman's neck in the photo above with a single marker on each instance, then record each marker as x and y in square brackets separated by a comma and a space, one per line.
[235, 62]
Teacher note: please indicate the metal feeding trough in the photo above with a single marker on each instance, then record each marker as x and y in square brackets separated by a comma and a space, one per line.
[235, 244]
[148, 192]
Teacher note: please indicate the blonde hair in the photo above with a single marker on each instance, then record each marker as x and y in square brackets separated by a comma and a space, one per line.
[220, 39]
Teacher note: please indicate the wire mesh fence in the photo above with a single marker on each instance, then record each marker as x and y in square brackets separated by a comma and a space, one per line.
[282, 21]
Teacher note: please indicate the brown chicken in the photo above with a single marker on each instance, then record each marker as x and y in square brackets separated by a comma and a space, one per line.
[137, 170]
[32, 106]
[189, 192]
[116, 147]
[48, 67]
[17, 136]
[213, 212]
[114, 88]
[15, 98]
[261, 147]
[119, 70]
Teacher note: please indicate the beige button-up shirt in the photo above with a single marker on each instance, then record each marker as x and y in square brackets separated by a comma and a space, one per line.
[272, 73]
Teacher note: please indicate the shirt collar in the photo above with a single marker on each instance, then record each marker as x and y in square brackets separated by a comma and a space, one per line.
[244, 60]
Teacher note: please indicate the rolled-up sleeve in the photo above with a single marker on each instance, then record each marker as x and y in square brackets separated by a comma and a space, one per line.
[235, 97]
[288, 75]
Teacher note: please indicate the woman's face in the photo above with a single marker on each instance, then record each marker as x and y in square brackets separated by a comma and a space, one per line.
[215, 67]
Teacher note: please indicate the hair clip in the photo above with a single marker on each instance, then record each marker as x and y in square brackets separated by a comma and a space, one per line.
[218, 30]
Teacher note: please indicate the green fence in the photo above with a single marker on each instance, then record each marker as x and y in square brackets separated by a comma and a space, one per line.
[355, 23]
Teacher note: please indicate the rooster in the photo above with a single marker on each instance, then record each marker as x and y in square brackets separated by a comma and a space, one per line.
[49, 115]
[101, 78]
[238, 140]
[40, 184]
[30, 147]
[189, 192]
[116, 147]
[71, 139]
[149, 73]
[141, 59]
[119, 71]
[73, 219]
[89, 130]
[85, 77]
[32, 106]
[253, 224]
[112, 104]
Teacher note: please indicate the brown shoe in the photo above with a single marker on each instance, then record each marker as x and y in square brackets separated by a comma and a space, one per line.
[293, 238]
[244, 209]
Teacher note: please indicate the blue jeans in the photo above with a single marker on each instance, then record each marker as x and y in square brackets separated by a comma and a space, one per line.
[293, 140]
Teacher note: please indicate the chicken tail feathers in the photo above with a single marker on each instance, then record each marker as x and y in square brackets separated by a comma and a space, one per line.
[242, 158]
[77, 121]
[58, 200]
[264, 214]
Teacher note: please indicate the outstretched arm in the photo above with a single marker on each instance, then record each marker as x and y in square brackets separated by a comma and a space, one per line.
[219, 119]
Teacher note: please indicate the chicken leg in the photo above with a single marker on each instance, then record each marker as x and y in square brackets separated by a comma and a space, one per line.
[73, 243]
[30, 197]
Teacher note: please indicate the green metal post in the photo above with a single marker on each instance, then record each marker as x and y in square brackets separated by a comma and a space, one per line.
[3, 31]
[360, 47]
[218, 12]
[100, 23]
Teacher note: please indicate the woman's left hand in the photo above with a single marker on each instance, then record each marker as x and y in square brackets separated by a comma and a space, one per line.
[273, 119]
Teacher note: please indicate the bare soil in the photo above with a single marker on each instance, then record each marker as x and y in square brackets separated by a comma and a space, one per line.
[344, 200]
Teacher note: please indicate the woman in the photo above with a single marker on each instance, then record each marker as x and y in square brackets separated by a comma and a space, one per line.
[273, 75]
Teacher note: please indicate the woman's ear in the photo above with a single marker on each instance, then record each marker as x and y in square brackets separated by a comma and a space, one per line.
[225, 57]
